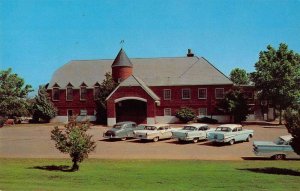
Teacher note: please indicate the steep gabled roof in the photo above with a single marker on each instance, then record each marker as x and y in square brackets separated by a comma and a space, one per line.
[135, 81]
[121, 60]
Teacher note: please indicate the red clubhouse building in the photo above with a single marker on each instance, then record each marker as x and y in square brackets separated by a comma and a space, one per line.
[151, 90]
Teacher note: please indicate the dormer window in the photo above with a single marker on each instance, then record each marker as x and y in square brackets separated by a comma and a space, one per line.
[69, 92]
[83, 91]
[55, 92]
[96, 91]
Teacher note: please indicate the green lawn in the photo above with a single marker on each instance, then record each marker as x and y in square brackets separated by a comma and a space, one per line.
[154, 175]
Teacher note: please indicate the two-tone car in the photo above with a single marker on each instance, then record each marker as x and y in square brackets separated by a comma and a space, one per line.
[154, 132]
[192, 132]
[122, 130]
[278, 149]
[230, 133]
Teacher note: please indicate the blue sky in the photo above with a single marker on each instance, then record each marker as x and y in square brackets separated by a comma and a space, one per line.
[39, 36]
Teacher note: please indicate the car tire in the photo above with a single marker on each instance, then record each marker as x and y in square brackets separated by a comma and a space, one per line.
[278, 157]
[155, 139]
[231, 142]
[195, 140]
[248, 138]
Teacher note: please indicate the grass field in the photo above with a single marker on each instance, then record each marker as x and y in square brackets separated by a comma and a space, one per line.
[154, 175]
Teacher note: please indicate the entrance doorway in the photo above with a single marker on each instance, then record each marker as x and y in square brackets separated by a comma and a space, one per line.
[131, 110]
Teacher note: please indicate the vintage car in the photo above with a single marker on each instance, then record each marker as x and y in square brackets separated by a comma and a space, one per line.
[192, 132]
[122, 130]
[230, 133]
[279, 149]
[154, 132]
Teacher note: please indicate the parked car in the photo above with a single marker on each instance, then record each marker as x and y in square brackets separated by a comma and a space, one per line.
[154, 132]
[230, 133]
[279, 149]
[122, 130]
[192, 132]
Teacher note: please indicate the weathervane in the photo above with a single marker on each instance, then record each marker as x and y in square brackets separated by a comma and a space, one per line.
[121, 43]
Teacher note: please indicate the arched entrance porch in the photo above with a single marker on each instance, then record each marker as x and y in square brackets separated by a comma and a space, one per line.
[131, 109]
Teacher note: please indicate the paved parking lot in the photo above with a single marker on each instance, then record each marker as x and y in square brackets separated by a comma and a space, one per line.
[33, 141]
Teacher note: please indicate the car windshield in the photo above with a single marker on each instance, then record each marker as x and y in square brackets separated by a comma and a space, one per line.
[279, 141]
[225, 129]
[150, 128]
[189, 128]
[117, 126]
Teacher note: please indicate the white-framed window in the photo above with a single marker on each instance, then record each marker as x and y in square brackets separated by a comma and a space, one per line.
[219, 93]
[83, 93]
[167, 112]
[202, 93]
[203, 111]
[83, 112]
[55, 94]
[96, 92]
[167, 94]
[69, 92]
[186, 94]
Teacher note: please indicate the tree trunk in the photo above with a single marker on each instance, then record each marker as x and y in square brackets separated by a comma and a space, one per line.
[75, 166]
[280, 116]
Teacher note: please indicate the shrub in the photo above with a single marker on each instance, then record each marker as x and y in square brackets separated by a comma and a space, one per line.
[292, 123]
[206, 120]
[185, 114]
[74, 141]
[2, 121]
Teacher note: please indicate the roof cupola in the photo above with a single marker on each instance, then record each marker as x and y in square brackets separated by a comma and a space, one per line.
[121, 67]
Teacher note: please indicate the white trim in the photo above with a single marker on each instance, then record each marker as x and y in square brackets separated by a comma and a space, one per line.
[56, 88]
[189, 93]
[167, 112]
[216, 93]
[67, 94]
[85, 93]
[205, 93]
[150, 120]
[164, 90]
[130, 98]
[111, 121]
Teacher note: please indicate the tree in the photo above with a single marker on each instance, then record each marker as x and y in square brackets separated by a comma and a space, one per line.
[13, 93]
[235, 105]
[106, 87]
[292, 120]
[43, 109]
[239, 76]
[276, 76]
[185, 114]
[74, 141]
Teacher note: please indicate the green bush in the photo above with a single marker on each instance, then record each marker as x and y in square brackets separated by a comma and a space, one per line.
[292, 123]
[2, 121]
[185, 114]
[206, 120]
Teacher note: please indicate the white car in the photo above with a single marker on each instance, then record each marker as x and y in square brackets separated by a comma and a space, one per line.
[193, 132]
[154, 132]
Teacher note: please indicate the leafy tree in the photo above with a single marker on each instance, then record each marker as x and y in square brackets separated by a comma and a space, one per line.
[292, 120]
[239, 76]
[43, 109]
[106, 87]
[13, 94]
[276, 76]
[74, 141]
[235, 105]
[185, 114]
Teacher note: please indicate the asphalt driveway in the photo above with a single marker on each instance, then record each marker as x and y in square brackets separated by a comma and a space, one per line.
[33, 141]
